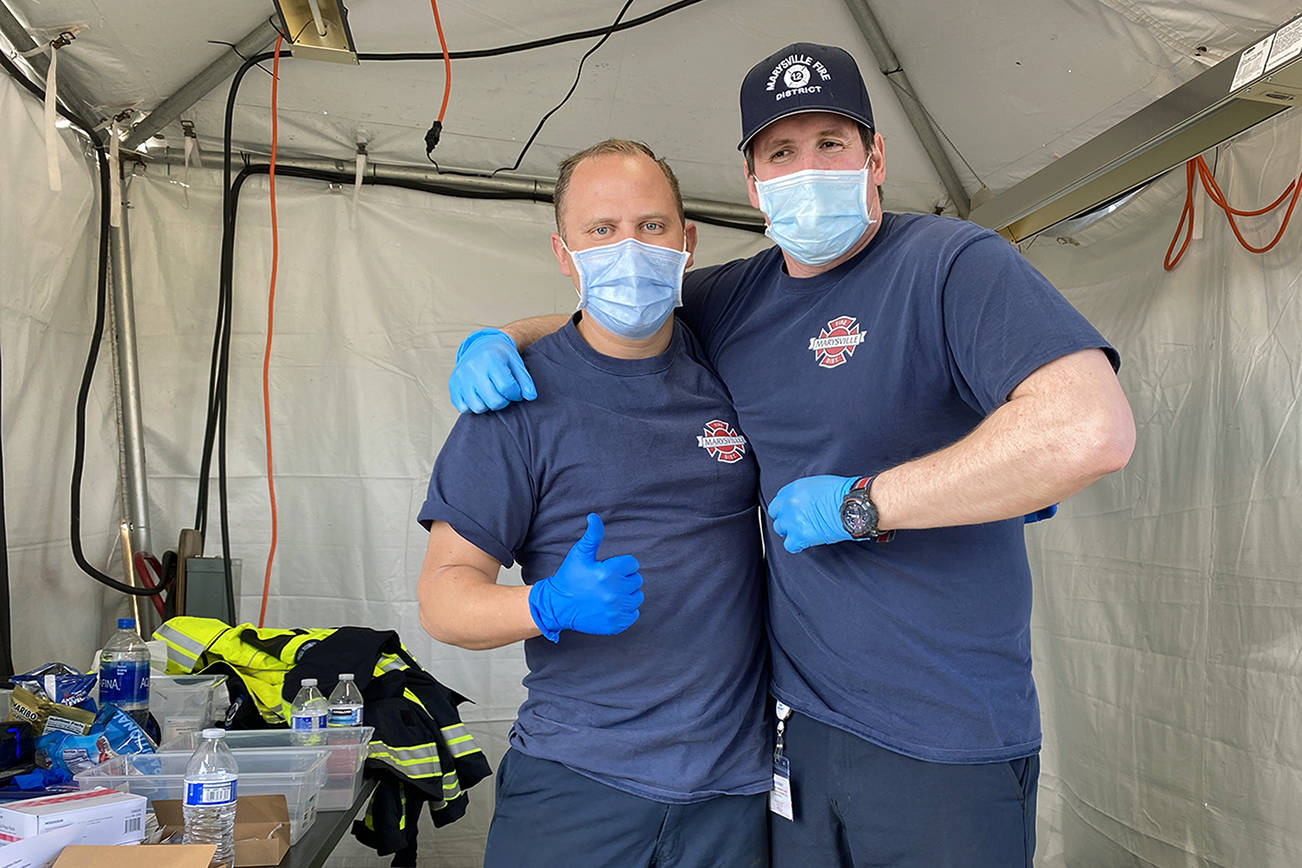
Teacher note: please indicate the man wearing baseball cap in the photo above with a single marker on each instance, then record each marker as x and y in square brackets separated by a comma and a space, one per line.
[912, 388]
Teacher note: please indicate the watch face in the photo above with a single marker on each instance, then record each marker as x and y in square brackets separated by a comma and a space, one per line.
[858, 517]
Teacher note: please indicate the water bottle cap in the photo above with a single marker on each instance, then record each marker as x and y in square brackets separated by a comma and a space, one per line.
[309, 682]
[345, 676]
[215, 732]
[126, 623]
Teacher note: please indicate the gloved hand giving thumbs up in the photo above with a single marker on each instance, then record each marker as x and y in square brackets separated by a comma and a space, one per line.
[588, 595]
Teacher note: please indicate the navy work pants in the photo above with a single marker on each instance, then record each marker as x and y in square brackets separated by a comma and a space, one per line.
[548, 816]
[858, 805]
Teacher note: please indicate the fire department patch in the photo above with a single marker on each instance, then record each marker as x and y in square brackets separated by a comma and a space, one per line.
[835, 344]
[722, 442]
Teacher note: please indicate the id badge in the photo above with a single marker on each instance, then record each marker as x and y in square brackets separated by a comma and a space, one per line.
[780, 795]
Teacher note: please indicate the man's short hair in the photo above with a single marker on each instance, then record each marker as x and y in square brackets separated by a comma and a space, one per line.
[609, 146]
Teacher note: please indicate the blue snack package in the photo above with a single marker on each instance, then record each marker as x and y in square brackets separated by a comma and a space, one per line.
[60, 683]
[114, 733]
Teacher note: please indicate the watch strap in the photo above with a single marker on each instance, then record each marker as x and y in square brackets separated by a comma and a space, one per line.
[864, 484]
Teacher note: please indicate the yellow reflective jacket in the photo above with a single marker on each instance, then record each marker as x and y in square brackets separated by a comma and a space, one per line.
[421, 751]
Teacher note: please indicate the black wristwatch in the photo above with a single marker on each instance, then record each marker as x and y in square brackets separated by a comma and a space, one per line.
[859, 513]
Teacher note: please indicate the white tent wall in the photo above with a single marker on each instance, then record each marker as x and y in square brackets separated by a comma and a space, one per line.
[1168, 609]
[371, 302]
[1166, 632]
[48, 245]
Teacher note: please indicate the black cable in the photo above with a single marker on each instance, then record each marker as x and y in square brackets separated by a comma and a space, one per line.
[101, 305]
[603, 32]
[221, 336]
[215, 419]
[577, 75]
[476, 54]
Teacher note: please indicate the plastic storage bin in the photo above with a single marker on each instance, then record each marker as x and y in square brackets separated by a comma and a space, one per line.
[346, 749]
[298, 774]
[187, 703]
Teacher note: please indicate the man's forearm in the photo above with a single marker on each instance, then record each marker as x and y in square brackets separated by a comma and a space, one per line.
[1067, 425]
[525, 331]
[458, 607]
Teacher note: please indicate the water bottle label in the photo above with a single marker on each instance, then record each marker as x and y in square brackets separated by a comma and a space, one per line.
[345, 715]
[124, 683]
[207, 794]
[307, 721]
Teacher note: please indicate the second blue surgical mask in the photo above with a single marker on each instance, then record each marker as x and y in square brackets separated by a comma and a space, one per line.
[816, 215]
[630, 288]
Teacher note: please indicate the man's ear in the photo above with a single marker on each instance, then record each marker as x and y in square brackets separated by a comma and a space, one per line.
[690, 232]
[562, 255]
[750, 184]
[877, 160]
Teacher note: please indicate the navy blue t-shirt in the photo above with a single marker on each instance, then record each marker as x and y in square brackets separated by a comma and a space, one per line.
[671, 709]
[921, 644]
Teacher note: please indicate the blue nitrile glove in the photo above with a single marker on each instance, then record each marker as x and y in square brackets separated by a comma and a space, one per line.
[807, 512]
[1041, 514]
[489, 373]
[588, 595]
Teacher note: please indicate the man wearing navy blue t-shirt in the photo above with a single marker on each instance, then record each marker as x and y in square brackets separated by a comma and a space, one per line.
[912, 387]
[643, 738]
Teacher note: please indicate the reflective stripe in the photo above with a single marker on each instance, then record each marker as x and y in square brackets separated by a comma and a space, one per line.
[182, 641]
[411, 697]
[456, 734]
[182, 650]
[416, 761]
[179, 659]
[390, 664]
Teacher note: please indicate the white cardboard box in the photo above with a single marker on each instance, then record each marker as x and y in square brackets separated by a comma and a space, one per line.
[102, 816]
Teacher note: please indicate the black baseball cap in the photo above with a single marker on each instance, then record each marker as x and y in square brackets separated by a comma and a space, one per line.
[803, 77]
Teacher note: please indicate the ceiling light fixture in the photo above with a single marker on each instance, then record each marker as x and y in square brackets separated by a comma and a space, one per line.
[318, 29]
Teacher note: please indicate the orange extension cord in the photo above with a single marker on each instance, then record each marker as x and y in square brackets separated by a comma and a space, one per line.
[271, 315]
[1197, 167]
[271, 293]
[447, 61]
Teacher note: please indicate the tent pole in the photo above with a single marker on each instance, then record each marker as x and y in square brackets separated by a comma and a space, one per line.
[513, 186]
[135, 506]
[70, 91]
[198, 87]
[889, 64]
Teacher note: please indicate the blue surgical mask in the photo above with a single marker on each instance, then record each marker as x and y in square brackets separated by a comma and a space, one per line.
[630, 288]
[816, 215]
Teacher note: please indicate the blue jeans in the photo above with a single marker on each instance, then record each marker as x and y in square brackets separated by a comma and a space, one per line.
[548, 815]
[858, 805]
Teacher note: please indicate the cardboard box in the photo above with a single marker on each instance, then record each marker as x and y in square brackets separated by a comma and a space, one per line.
[144, 856]
[261, 828]
[103, 816]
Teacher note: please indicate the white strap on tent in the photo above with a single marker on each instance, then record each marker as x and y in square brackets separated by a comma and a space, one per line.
[357, 179]
[51, 113]
[191, 153]
[185, 170]
[115, 177]
[362, 139]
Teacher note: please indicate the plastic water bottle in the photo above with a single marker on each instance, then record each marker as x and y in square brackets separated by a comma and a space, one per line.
[124, 672]
[345, 702]
[211, 785]
[308, 714]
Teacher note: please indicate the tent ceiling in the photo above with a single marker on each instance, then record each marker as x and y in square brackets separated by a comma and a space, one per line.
[1012, 83]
